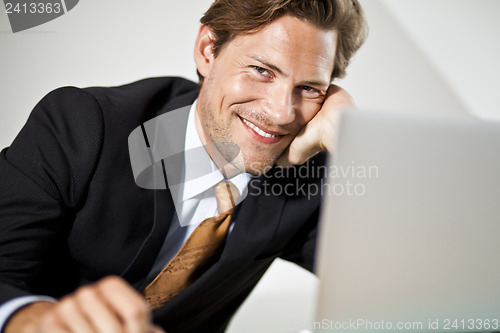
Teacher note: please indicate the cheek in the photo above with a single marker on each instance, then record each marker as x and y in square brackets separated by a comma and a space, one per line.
[242, 89]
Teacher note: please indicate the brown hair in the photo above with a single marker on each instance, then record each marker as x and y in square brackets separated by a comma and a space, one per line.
[229, 18]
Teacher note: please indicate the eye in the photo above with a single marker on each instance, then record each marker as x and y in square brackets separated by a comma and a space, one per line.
[262, 71]
[307, 88]
[310, 91]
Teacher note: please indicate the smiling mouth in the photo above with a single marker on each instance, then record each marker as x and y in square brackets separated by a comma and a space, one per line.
[259, 130]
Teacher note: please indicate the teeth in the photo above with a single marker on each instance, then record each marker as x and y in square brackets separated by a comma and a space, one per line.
[258, 130]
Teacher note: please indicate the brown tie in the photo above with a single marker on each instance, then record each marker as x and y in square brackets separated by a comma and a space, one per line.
[197, 253]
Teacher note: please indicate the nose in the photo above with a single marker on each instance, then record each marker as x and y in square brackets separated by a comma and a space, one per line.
[280, 105]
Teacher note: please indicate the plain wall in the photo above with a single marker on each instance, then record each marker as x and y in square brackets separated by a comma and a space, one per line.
[422, 55]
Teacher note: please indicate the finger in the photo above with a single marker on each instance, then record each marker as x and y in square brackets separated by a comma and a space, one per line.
[283, 161]
[157, 329]
[302, 147]
[291, 157]
[339, 96]
[72, 317]
[50, 323]
[102, 318]
[130, 307]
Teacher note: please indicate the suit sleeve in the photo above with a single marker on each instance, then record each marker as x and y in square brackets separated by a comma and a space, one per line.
[44, 176]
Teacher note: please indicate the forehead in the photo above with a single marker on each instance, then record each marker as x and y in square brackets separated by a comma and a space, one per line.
[293, 44]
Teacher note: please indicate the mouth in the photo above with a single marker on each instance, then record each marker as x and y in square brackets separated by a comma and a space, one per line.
[260, 134]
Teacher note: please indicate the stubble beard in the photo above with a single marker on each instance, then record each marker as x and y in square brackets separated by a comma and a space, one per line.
[218, 132]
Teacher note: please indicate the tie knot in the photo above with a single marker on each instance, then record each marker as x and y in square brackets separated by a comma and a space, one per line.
[226, 194]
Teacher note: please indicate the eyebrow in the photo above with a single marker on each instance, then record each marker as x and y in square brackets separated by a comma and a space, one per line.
[279, 71]
[268, 64]
[317, 84]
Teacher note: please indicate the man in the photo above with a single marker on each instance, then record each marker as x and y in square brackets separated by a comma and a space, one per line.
[73, 218]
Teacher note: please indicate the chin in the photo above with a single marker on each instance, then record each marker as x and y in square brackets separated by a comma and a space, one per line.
[259, 161]
[259, 167]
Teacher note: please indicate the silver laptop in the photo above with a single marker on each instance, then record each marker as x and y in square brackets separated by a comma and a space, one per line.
[410, 228]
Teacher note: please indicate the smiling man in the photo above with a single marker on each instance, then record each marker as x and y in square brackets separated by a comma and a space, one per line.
[262, 88]
[83, 248]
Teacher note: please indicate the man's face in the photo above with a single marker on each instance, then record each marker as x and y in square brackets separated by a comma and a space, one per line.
[263, 88]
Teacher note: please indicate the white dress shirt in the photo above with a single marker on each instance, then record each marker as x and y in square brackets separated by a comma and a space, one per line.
[197, 201]
[196, 204]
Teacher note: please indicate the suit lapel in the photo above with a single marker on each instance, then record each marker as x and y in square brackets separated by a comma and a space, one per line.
[255, 225]
[145, 258]
[164, 210]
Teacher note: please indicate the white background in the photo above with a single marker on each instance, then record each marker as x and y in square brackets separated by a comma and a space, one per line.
[433, 56]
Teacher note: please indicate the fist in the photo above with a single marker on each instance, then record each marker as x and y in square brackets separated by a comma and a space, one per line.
[320, 133]
[108, 306]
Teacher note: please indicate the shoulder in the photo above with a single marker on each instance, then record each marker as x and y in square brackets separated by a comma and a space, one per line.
[151, 93]
[154, 93]
[117, 109]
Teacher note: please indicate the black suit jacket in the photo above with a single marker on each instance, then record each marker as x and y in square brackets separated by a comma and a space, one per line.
[71, 213]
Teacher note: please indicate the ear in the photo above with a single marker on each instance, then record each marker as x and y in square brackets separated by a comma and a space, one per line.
[204, 50]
